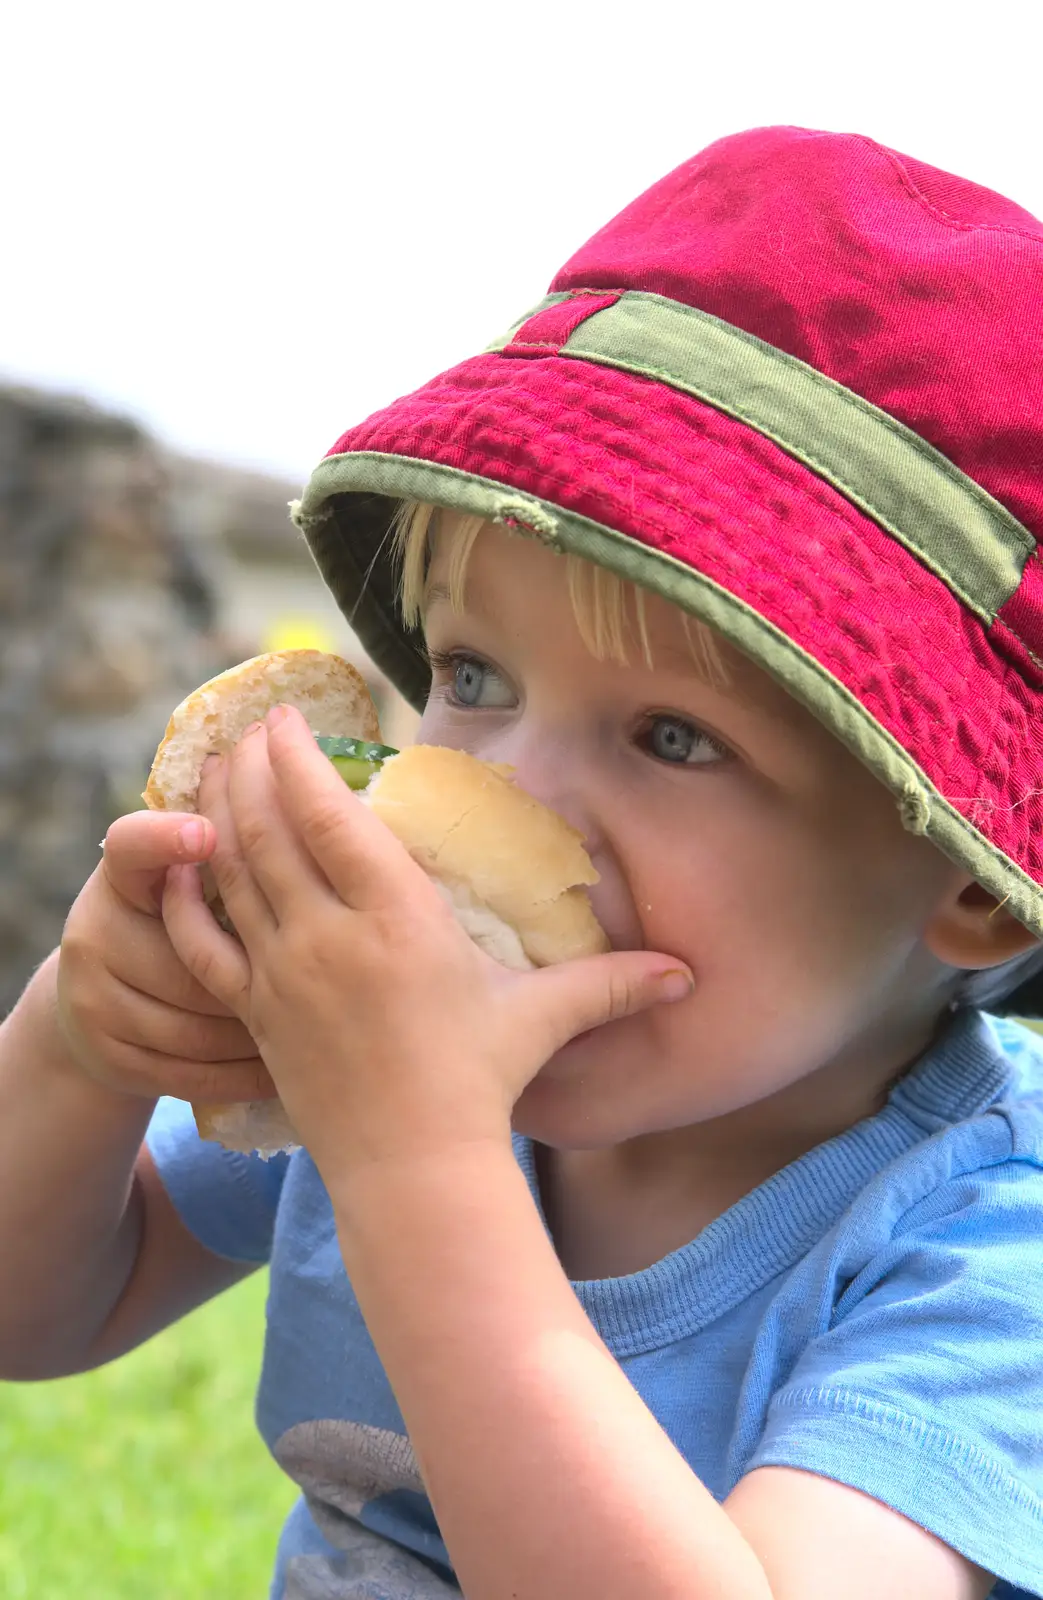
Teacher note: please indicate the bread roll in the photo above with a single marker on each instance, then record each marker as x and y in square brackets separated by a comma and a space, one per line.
[514, 873]
[328, 692]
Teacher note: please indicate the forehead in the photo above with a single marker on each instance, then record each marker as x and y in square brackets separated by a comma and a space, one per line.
[510, 580]
[518, 593]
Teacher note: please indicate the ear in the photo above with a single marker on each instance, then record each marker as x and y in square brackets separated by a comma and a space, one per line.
[974, 929]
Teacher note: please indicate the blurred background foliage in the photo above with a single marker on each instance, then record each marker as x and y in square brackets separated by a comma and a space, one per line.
[146, 1478]
[128, 576]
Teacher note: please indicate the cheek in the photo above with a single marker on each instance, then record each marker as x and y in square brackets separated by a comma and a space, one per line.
[432, 729]
[703, 891]
[442, 726]
[872, 889]
[743, 893]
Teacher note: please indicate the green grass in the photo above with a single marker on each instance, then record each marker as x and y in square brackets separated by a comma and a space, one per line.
[145, 1480]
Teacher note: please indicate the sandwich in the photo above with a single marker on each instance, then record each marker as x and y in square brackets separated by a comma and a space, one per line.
[514, 872]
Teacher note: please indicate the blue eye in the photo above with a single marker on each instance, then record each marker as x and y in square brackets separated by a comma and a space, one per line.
[681, 743]
[471, 682]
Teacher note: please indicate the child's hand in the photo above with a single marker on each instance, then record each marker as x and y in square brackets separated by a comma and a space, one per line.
[383, 1026]
[130, 1013]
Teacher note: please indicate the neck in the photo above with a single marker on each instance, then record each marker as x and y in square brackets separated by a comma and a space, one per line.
[620, 1208]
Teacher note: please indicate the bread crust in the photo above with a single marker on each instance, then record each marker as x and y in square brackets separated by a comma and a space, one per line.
[467, 821]
[514, 872]
[334, 699]
[326, 689]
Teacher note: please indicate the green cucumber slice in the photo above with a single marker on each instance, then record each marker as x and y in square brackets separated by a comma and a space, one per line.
[355, 759]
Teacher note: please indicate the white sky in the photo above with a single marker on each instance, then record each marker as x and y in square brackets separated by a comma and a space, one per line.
[251, 226]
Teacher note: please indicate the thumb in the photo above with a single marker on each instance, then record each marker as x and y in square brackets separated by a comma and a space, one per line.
[140, 846]
[583, 994]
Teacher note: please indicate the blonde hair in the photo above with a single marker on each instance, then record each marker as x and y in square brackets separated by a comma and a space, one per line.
[607, 608]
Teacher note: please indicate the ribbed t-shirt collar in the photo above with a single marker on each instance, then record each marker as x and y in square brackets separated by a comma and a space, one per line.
[771, 1228]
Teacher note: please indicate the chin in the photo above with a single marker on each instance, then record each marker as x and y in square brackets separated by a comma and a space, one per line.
[569, 1104]
[620, 1082]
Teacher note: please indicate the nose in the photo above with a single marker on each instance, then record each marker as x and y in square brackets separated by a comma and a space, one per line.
[558, 773]
[563, 773]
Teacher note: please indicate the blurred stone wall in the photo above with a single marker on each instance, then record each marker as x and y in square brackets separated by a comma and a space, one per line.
[127, 578]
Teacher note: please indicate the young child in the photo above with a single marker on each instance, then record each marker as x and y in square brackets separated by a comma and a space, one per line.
[713, 1266]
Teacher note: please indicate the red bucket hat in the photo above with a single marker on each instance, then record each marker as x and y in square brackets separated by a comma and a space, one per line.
[796, 388]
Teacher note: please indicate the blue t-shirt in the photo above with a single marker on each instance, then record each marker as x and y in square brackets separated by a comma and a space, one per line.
[873, 1313]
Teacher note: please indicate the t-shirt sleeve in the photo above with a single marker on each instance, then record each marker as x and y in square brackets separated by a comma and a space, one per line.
[229, 1201]
[927, 1391]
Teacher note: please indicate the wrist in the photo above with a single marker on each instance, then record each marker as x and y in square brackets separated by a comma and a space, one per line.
[394, 1139]
[369, 1196]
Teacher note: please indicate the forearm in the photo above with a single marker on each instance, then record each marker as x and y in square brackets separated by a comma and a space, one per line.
[550, 1478]
[68, 1230]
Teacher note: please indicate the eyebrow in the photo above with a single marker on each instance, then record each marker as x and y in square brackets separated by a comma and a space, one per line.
[473, 604]
[669, 657]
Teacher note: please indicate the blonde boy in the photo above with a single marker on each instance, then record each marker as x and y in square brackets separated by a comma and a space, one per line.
[713, 1266]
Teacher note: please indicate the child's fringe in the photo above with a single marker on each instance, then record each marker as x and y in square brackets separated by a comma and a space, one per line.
[607, 608]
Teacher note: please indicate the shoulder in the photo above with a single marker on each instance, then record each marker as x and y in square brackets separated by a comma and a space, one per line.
[940, 1254]
[920, 1386]
[1021, 1105]
[976, 1102]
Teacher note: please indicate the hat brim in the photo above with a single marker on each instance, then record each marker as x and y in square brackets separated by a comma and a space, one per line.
[693, 504]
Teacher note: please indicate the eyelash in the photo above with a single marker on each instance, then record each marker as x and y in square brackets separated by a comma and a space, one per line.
[707, 739]
[448, 660]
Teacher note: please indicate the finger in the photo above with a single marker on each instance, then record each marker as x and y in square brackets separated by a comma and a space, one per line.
[151, 1049]
[139, 847]
[575, 996]
[247, 907]
[278, 861]
[147, 962]
[139, 1019]
[104, 934]
[215, 959]
[150, 1072]
[362, 859]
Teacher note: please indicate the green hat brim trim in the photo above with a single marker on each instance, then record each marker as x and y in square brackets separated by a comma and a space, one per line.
[937, 512]
[365, 486]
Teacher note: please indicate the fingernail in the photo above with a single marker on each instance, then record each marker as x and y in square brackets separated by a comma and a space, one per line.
[676, 984]
[192, 837]
[278, 714]
[211, 764]
[253, 727]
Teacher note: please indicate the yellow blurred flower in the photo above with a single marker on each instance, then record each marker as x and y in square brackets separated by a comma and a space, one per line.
[298, 633]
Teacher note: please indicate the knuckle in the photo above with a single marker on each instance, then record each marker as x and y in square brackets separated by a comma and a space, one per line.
[195, 1038]
[117, 832]
[618, 996]
[322, 822]
[75, 940]
[310, 953]
[230, 870]
[226, 879]
[128, 834]
[85, 1005]
[219, 1082]
[253, 833]
[119, 1065]
[80, 956]
[94, 1015]
[213, 974]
